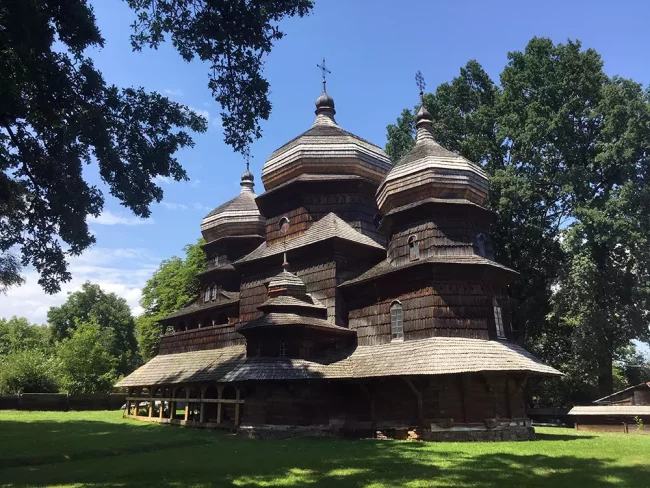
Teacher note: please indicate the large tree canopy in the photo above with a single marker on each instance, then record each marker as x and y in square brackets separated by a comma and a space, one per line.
[56, 114]
[106, 310]
[174, 284]
[233, 37]
[566, 149]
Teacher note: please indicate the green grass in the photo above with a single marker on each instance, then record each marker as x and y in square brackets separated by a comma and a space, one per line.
[101, 449]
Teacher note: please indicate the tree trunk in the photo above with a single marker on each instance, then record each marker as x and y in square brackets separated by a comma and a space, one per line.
[605, 378]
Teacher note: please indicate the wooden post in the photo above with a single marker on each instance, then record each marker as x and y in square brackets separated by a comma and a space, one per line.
[508, 402]
[187, 404]
[161, 413]
[172, 409]
[151, 402]
[418, 396]
[219, 396]
[127, 410]
[202, 406]
[237, 407]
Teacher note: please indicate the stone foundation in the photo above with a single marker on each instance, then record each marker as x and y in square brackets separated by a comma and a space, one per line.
[492, 430]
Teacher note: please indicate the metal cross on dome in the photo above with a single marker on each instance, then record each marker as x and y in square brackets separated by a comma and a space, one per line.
[419, 80]
[324, 71]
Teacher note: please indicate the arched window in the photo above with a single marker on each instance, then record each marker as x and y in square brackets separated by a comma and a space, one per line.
[480, 244]
[396, 321]
[214, 292]
[206, 294]
[498, 318]
[414, 248]
[283, 348]
[283, 225]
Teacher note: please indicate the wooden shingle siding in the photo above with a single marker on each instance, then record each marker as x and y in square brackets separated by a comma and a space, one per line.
[214, 337]
[444, 237]
[439, 309]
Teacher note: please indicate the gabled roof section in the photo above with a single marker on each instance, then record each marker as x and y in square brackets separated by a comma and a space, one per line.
[329, 227]
[225, 298]
[608, 398]
[279, 319]
[385, 268]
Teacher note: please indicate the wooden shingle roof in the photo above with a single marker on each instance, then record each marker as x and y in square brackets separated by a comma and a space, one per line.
[385, 268]
[433, 356]
[277, 319]
[329, 227]
[225, 298]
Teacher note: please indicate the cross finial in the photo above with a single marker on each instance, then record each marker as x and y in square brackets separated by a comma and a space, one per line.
[324, 72]
[419, 80]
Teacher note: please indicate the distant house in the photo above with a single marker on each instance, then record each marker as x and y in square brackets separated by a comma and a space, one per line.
[625, 411]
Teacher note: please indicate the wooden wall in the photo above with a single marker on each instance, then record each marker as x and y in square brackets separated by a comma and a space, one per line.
[430, 308]
[460, 399]
[319, 276]
[439, 237]
[214, 337]
[357, 209]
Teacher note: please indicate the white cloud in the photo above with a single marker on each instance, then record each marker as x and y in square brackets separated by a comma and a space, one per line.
[203, 113]
[216, 123]
[122, 271]
[166, 180]
[199, 206]
[109, 218]
[175, 92]
[195, 183]
[174, 206]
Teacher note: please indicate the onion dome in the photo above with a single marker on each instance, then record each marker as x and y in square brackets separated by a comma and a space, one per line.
[237, 217]
[429, 170]
[325, 149]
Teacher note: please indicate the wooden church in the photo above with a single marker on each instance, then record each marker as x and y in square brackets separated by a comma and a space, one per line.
[352, 297]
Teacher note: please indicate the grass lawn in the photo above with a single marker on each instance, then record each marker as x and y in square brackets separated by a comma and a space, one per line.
[101, 449]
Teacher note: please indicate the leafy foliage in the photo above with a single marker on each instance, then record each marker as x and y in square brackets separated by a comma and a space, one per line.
[109, 312]
[173, 285]
[566, 150]
[17, 334]
[233, 36]
[85, 362]
[27, 371]
[57, 114]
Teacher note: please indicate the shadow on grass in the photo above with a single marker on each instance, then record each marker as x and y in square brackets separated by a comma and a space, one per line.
[162, 456]
[562, 437]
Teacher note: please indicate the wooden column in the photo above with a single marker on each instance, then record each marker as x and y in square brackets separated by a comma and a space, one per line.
[172, 409]
[418, 396]
[151, 402]
[161, 412]
[202, 406]
[219, 396]
[237, 407]
[127, 410]
[187, 404]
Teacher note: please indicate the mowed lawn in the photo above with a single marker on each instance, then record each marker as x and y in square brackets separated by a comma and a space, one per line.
[102, 449]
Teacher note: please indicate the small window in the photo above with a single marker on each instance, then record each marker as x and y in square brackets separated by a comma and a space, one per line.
[283, 225]
[480, 244]
[498, 318]
[396, 322]
[414, 248]
[206, 295]
[214, 292]
[283, 348]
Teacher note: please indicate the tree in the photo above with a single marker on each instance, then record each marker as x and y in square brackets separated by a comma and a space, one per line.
[233, 36]
[17, 334]
[566, 149]
[173, 285]
[109, 312]
[57, 113]
[86, 364]
[27, 371]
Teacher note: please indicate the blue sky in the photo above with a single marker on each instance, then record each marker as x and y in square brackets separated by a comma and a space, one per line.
[373, 48]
